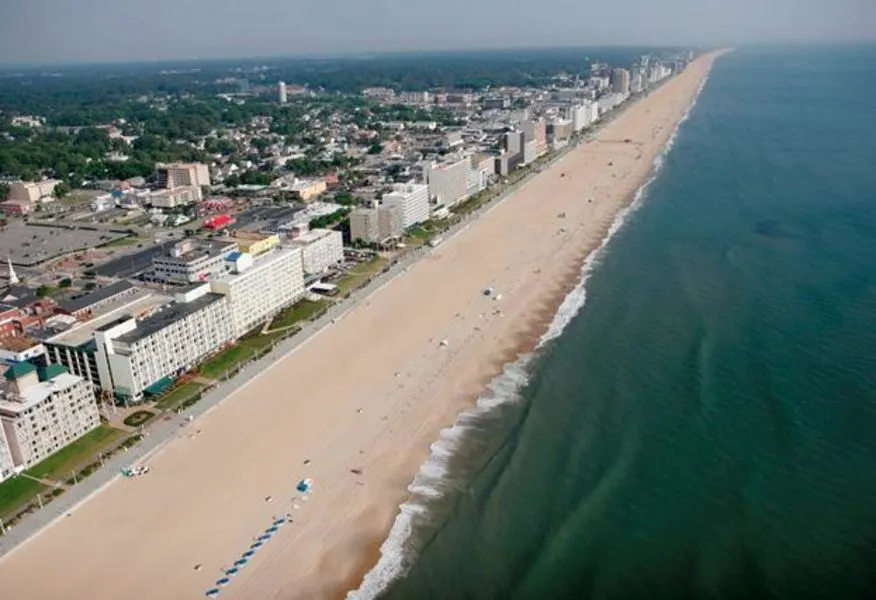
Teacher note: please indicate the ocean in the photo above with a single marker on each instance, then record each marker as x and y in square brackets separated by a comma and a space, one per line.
[701, 420]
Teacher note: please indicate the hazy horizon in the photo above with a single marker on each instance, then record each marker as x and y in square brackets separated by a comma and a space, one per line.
[96, 31]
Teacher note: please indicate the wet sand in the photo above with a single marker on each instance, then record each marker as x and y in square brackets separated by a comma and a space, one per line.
[368, 394]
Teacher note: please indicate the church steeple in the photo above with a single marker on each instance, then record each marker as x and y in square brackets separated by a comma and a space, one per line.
[13, 278]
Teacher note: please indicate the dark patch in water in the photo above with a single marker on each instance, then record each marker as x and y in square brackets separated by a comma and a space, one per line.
[773, 228]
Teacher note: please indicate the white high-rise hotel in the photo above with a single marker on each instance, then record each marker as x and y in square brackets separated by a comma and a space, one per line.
[257, 288]
[139, 356]
[320, 249]
[413, 198]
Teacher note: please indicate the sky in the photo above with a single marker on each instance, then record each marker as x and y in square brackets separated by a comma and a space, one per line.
[120, 30]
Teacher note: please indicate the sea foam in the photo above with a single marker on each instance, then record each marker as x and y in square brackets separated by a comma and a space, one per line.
[434, 479]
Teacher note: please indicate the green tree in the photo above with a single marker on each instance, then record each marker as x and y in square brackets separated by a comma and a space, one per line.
[43, 291]
[65, 283]
[61, 190]
[4, 190]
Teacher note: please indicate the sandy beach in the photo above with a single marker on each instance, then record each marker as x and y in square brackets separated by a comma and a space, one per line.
[355, 408]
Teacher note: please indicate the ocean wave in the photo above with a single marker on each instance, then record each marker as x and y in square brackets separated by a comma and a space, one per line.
[435, 478]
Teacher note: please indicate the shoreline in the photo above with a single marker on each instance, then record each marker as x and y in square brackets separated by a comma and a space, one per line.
[549, 324]
[223, 475]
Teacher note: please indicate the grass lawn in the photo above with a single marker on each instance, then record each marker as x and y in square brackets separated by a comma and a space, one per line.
[420, 232]
[301, 311]
[258, 342]
[59, 465]
[360, 274]
[226, 361]
[16, 492]
[178, 394]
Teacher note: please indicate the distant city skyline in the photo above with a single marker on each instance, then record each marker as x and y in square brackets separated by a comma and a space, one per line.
[65, 31]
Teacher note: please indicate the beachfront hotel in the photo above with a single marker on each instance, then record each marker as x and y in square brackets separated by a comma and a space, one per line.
[69, 339]
[376, 224]
[41, 411]
[413, 198]
[448, 182]
[141, 357]
[321, 248]
[257, 288]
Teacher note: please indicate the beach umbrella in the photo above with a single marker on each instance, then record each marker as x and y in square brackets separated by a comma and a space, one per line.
[273, 529]
[212, 593]
[241, 562]
[256, 545]
[248, 553]
[223, 582]
[264, 538]
[232, 571]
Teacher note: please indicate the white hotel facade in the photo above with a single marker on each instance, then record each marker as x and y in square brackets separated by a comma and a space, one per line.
[134, 356]
[258, 288]
[320, 249]
[413, 198]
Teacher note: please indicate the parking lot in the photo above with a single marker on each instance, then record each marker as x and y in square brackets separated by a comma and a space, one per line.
[29, 245]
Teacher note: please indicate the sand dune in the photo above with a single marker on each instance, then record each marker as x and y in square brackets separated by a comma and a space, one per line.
[370, 394]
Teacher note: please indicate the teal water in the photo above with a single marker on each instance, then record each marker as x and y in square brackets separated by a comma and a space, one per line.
[705, 427]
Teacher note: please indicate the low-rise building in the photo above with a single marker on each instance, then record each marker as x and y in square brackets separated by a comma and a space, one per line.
[17, 208]
[320, 249]
[137, 358]
[259, 287]
[175, 197]
[254, 242]
[32, 191]
[413, 198]
[43, 411]
[308, 190]
[192, 260]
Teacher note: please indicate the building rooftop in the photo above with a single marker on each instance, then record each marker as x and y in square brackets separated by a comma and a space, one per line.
[193, 249]
[312, 236]
[19, 370]
[20, 343]
[96, 297]
[167, 316]
[14, 405]
[139, 303]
